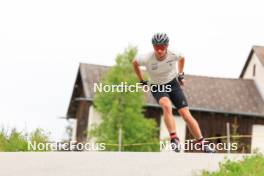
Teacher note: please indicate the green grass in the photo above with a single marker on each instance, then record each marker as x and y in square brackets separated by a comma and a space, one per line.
[18, 141]
[248, 166]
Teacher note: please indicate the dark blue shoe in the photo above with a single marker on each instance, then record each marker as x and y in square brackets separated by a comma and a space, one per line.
[204, 146]
[175, 145]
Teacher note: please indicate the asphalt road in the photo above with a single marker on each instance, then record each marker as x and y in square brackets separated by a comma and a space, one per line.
[107, 163]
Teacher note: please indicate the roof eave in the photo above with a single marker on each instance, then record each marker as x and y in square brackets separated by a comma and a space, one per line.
[191, 108]
[213, 110]
[246, 63]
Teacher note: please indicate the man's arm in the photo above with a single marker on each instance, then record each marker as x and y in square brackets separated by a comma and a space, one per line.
[180, 71]
[181, 64]
[137, 70]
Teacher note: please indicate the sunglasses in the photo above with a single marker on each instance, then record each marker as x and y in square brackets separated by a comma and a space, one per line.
[160, 47]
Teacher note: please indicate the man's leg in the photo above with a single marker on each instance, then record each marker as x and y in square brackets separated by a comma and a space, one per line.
[194, 128]
[165, 103]
[191, 123]
[179, 100]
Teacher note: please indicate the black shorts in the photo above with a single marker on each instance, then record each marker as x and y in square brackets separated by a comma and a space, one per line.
[175, 94]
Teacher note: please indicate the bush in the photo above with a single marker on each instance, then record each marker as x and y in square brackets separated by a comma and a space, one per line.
[249, 166]
[18, 141]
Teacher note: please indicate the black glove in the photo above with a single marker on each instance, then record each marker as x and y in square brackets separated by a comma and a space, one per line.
[180, 77]
[143, 83]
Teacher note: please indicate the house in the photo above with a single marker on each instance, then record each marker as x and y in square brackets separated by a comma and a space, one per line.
[212, 101]
[254, 70]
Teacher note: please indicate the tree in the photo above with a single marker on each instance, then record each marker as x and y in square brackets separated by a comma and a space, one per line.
[123, 110]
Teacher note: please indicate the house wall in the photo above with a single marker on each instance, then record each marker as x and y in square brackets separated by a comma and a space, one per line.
[259, 73]
[180, 129]
[94, 120]
[214, 124]
[74, 130]
[211, 124]
[82, 120]
[258, 138]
